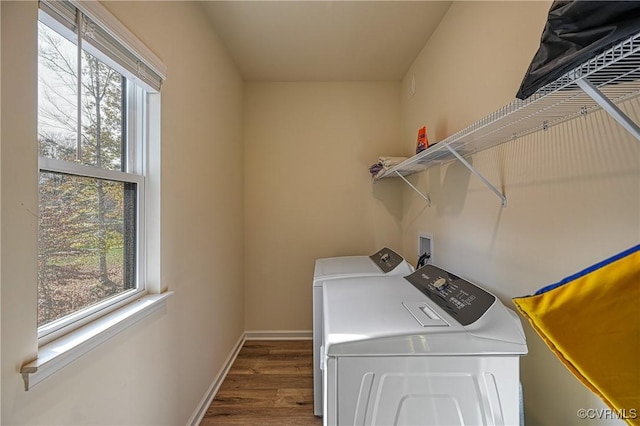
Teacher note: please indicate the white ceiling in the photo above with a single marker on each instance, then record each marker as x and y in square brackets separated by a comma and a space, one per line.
[324, 40]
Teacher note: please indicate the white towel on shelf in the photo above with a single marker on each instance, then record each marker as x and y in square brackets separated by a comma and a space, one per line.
[389, 162]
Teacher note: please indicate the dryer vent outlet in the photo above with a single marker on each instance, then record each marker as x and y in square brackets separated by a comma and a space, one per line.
[425, 245]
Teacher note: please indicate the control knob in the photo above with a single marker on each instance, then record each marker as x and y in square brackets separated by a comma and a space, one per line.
[440, 284]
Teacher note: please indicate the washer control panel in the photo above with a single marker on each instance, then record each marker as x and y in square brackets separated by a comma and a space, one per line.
[386, 259]
[464, 301]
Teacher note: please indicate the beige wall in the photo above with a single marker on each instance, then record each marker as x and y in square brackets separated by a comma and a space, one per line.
[308, 193]
[572, 191]
[157, 371]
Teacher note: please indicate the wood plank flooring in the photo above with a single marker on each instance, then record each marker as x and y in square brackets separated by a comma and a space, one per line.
[270, 383]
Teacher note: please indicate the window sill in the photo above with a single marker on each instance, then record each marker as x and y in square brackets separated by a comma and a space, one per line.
[61, 352]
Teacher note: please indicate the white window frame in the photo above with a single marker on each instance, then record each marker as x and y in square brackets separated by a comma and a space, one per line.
[62, 341]
[135, 147]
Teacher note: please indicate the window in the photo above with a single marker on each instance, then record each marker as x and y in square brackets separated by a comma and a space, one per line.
[93, 121]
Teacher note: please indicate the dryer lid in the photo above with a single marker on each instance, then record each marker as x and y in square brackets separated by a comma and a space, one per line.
[333, 267]
[385, 261]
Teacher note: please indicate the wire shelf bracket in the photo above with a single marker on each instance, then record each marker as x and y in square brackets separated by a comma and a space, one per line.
[484, 180]
[611, 108]
[425, 196]
[602, 82]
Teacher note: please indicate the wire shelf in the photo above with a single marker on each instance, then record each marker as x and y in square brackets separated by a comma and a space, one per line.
[615, 72]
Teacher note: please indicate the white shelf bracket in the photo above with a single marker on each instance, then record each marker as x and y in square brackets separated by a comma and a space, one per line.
[484, 180]
[426, 197]
[609, 107]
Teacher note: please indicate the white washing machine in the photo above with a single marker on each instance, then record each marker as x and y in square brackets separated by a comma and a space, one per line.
[431, 349]
[383, 262]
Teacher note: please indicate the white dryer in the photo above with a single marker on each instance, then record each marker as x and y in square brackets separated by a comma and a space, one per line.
[383, 262]
[431, 349]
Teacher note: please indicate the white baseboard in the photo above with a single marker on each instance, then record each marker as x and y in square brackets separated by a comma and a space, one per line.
[278, 335]
[201, 409]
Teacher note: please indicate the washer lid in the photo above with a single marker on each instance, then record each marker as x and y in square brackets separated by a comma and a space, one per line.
[388, 316]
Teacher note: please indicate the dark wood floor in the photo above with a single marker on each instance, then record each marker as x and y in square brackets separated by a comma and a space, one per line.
[270, 383]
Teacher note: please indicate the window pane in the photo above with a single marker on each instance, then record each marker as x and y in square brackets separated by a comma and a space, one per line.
[102, 114]
[86, 250]
[101, 106]
[57, 95]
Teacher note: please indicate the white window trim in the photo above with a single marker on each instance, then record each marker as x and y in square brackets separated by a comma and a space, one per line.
[56, 354]
[63, 351]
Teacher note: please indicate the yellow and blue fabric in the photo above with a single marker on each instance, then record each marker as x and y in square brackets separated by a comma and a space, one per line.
[591, 321]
